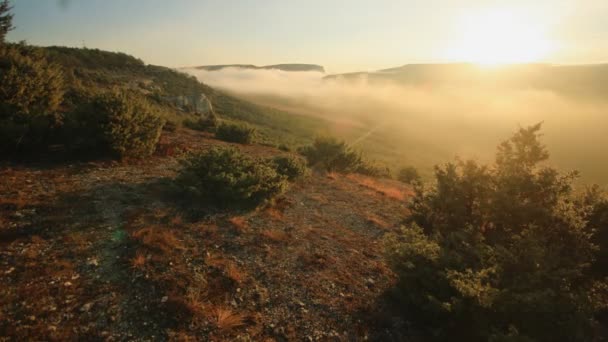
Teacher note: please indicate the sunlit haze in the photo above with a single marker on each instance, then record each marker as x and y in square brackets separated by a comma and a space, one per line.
[340, 35]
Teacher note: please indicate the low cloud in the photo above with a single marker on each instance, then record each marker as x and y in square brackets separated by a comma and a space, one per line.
[430, 124]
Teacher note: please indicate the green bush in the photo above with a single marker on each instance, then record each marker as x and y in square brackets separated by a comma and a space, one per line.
[291, 167]
[241, 134]
[500, 252]
[128, 125]
[408, 175]
[224, 177]
[31, 91]
[333, 155]
[207, 123]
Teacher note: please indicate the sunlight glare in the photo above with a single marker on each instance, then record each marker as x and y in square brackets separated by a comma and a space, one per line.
[499, 36]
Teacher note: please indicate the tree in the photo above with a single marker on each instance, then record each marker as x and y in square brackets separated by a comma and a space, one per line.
[31, 92]
[500, 252]
[6, 19]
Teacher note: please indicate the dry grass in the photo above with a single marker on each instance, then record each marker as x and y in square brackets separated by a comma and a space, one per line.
[333, 175]
[239, 222]
[157, 239]
[139, 260]
[275, 235]
[391, 191]
[225, 319]
[234, 273]
[274, 214]
[216, 262]
[377, 221]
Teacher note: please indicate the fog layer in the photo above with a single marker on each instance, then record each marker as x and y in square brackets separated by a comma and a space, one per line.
[426, 124]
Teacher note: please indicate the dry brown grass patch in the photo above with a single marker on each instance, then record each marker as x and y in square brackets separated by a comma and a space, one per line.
[239, 222]
[157, 239]
[274, 214]
[377, 221]
[176, 221]
[139, 260]
[225, 319]
[390, 191]
[333, 175]
[234, 273]
[275, 235]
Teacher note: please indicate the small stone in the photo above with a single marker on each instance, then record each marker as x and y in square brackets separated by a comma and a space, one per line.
[86, 307]
[164, 299]
[67, 284]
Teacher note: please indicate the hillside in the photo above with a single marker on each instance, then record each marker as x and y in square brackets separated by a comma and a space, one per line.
[283, 67]
[97, 69]
[307, 266]
[573, 80]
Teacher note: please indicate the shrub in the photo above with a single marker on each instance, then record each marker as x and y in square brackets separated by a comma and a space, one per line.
[241, 134]
[369, 169]
[499, 252]
[597, 223]
[290, 166]
[408, 175]
[31, 91]
[206, 124]
[129, 126]
[285, 147]
[332, 155]
[224, 176]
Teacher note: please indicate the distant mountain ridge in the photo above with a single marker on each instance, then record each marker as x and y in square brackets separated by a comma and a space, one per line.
[587, 79]
[283, 67]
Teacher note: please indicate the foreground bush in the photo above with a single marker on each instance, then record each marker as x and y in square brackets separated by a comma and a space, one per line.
[291, 167]
[31, 91]
[500, 252]
[224, 176]
[241, 134]
[127, 124]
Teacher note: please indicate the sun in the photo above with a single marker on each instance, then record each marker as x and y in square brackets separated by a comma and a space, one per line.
[499, 36]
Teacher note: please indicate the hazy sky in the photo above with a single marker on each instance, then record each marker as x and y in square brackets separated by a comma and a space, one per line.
[341, 35]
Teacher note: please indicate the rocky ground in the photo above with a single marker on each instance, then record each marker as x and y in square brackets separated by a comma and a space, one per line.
[103, 251]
